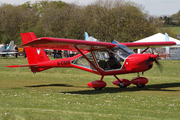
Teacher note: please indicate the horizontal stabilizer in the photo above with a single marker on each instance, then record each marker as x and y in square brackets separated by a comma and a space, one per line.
[34, 67]
[8, 53]
[13, 66]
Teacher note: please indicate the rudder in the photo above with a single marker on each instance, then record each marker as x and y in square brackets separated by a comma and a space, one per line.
[34, 55]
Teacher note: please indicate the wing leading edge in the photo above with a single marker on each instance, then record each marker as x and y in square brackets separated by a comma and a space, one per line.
[66, 44]
[136, 45]
[70, 44]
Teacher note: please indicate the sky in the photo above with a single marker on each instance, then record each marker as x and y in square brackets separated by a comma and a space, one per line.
[154, 7]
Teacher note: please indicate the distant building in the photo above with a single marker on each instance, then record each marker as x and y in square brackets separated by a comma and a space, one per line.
[178, 36]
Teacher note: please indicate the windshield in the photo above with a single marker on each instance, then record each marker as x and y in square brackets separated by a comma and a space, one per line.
[122, 51]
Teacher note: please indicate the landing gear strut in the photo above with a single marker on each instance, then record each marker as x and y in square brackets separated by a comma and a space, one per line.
[122, 83]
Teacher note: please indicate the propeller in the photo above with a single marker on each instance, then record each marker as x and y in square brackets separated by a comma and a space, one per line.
[159, 65]
[154, 58]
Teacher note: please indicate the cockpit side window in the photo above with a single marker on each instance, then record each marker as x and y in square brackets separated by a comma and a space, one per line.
[114, 61]
[112, 58]
[107, 59]
[81, 61]
[101, 58]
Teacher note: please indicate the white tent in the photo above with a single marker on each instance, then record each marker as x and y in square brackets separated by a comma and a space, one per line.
[174, 51]
[159, 37]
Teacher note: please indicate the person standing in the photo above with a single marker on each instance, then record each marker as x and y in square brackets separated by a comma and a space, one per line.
[16, 50]
[54, 52]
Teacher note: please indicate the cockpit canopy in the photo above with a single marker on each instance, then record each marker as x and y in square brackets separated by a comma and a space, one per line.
[120, 52]
[106, 59]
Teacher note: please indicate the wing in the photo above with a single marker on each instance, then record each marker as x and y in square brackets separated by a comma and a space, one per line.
[69, 44]
[136, 45]
[7, 53]
[30, 40]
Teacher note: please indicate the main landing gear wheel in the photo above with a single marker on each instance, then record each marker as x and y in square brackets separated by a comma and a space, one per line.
[98, 88]
[140, 85]
[122, 86]
[97, 85]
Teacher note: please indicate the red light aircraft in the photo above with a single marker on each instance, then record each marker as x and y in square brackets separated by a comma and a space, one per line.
[101, 58]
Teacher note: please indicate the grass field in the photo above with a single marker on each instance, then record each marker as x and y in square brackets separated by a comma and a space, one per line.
[176, 29]
[62, 94]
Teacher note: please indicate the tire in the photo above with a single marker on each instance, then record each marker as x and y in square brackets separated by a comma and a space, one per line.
[122, 86]
[140, 85]
[98, 88]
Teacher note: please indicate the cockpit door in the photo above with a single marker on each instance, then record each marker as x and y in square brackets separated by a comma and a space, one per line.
[107, 60]
[112, 59]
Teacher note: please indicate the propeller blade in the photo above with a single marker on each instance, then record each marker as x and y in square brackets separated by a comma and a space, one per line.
[154, 58]
[159, 65]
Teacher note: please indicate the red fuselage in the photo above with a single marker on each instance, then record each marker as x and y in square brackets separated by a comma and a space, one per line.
[132, 64]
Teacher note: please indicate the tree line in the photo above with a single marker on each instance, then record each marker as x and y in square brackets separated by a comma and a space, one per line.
[173, 20]
[104, 19]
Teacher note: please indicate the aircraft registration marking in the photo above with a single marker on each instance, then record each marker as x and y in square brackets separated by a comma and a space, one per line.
[62, 63]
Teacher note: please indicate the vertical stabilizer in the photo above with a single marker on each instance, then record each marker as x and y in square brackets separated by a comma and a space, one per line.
[34, 55]
[89, 38]
[86, 36]
[11, 45]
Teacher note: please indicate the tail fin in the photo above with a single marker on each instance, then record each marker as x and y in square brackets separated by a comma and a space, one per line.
[89, 38]
[86, 36]
[34, 55]
[11, 45]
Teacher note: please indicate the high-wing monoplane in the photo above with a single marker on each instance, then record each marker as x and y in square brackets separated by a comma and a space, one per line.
[9, 51]
[101, 58]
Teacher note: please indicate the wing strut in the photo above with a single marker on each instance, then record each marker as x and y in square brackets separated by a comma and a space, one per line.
[145, 50]
[87, 59]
